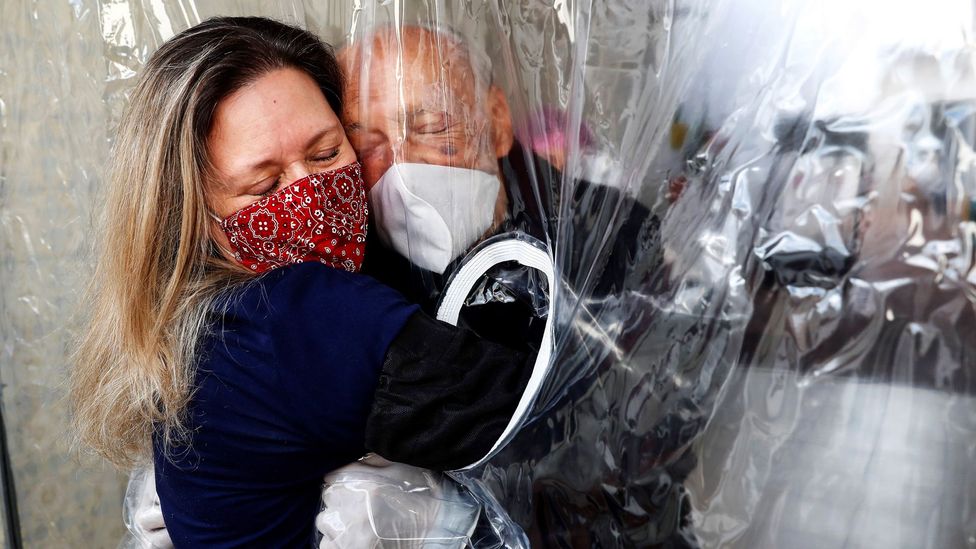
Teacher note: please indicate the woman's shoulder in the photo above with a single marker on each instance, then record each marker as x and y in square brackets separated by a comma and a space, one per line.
[311, 282]
[310, 288]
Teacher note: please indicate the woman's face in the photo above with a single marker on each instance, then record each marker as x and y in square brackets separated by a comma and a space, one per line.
[266, 136]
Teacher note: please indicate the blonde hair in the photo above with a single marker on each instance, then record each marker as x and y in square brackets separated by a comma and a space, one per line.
[158, 272]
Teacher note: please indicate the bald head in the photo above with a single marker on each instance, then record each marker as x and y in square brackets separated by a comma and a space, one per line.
[421, 96]
[415, 45]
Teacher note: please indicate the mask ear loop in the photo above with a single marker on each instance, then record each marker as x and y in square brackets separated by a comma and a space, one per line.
[220, 223]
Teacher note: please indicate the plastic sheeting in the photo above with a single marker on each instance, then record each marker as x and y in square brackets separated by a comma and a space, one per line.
[785, 362]
[375, 503]
[761, 220]
[53, 143]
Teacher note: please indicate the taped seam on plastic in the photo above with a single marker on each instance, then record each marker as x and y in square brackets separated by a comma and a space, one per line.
[467, 276]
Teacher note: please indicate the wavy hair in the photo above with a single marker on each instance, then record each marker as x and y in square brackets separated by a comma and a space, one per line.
[158, 270]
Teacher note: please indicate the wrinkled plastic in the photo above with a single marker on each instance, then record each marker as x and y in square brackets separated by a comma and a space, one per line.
[375, 503]
[786, 358]
[142, 514]
[809, 167]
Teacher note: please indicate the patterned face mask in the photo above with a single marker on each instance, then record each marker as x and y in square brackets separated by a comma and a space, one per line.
[321, 217]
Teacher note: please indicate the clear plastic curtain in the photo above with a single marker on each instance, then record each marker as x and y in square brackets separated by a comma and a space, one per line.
[761, 221]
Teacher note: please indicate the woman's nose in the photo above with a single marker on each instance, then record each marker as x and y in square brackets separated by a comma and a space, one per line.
[296, 171]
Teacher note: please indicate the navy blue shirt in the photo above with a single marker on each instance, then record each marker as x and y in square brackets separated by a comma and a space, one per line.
[284, 385]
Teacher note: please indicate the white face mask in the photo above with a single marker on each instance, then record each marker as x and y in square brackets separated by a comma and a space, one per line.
[432, 214]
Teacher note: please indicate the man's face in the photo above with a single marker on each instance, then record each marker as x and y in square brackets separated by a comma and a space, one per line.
[414, 98]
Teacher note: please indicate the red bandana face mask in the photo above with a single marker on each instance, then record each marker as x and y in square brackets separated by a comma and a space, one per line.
[321, 218]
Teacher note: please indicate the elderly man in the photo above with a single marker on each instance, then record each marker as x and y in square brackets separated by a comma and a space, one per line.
[436, 140]
[445, 172]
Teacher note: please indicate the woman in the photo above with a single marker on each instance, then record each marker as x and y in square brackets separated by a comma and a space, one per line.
[230, 336]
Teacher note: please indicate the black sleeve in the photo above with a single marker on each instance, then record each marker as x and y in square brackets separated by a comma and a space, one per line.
[634, 238]
[445, 396]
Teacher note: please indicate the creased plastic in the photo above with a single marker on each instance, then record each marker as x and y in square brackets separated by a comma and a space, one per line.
[143, 515]
[761, 216]
[801, 287]
[375, 503]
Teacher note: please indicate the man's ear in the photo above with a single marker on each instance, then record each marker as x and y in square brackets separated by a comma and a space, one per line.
[502, 134]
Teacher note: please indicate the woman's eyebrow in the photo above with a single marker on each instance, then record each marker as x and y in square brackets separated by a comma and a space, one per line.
[312, 141]
[331, 129]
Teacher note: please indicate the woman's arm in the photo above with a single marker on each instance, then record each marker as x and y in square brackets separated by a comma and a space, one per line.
[424, 392]
[444, 396]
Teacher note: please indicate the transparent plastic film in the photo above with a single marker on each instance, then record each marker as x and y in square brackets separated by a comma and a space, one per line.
[376, 503]
[642, 347]
[852, 401]
[143, 515]
[759, 220]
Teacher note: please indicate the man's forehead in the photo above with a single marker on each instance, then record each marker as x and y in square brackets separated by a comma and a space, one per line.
[418, 89]
[394, 72]
[421, 55]
[410, 89]
[407, 42]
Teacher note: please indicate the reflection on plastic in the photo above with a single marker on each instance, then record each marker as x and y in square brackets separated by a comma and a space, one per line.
[143, 515]
[376, 503]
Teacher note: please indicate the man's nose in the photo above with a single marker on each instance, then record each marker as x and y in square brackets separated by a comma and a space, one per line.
[378, 160]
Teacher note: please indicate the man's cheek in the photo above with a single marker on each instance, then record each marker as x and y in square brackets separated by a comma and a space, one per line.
[373, 170]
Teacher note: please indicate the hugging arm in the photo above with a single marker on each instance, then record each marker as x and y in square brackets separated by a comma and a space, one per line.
[442, 401]
[445, 395]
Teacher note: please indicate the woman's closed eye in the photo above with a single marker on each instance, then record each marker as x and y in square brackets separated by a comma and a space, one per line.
[326, 156]
[268, 187]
